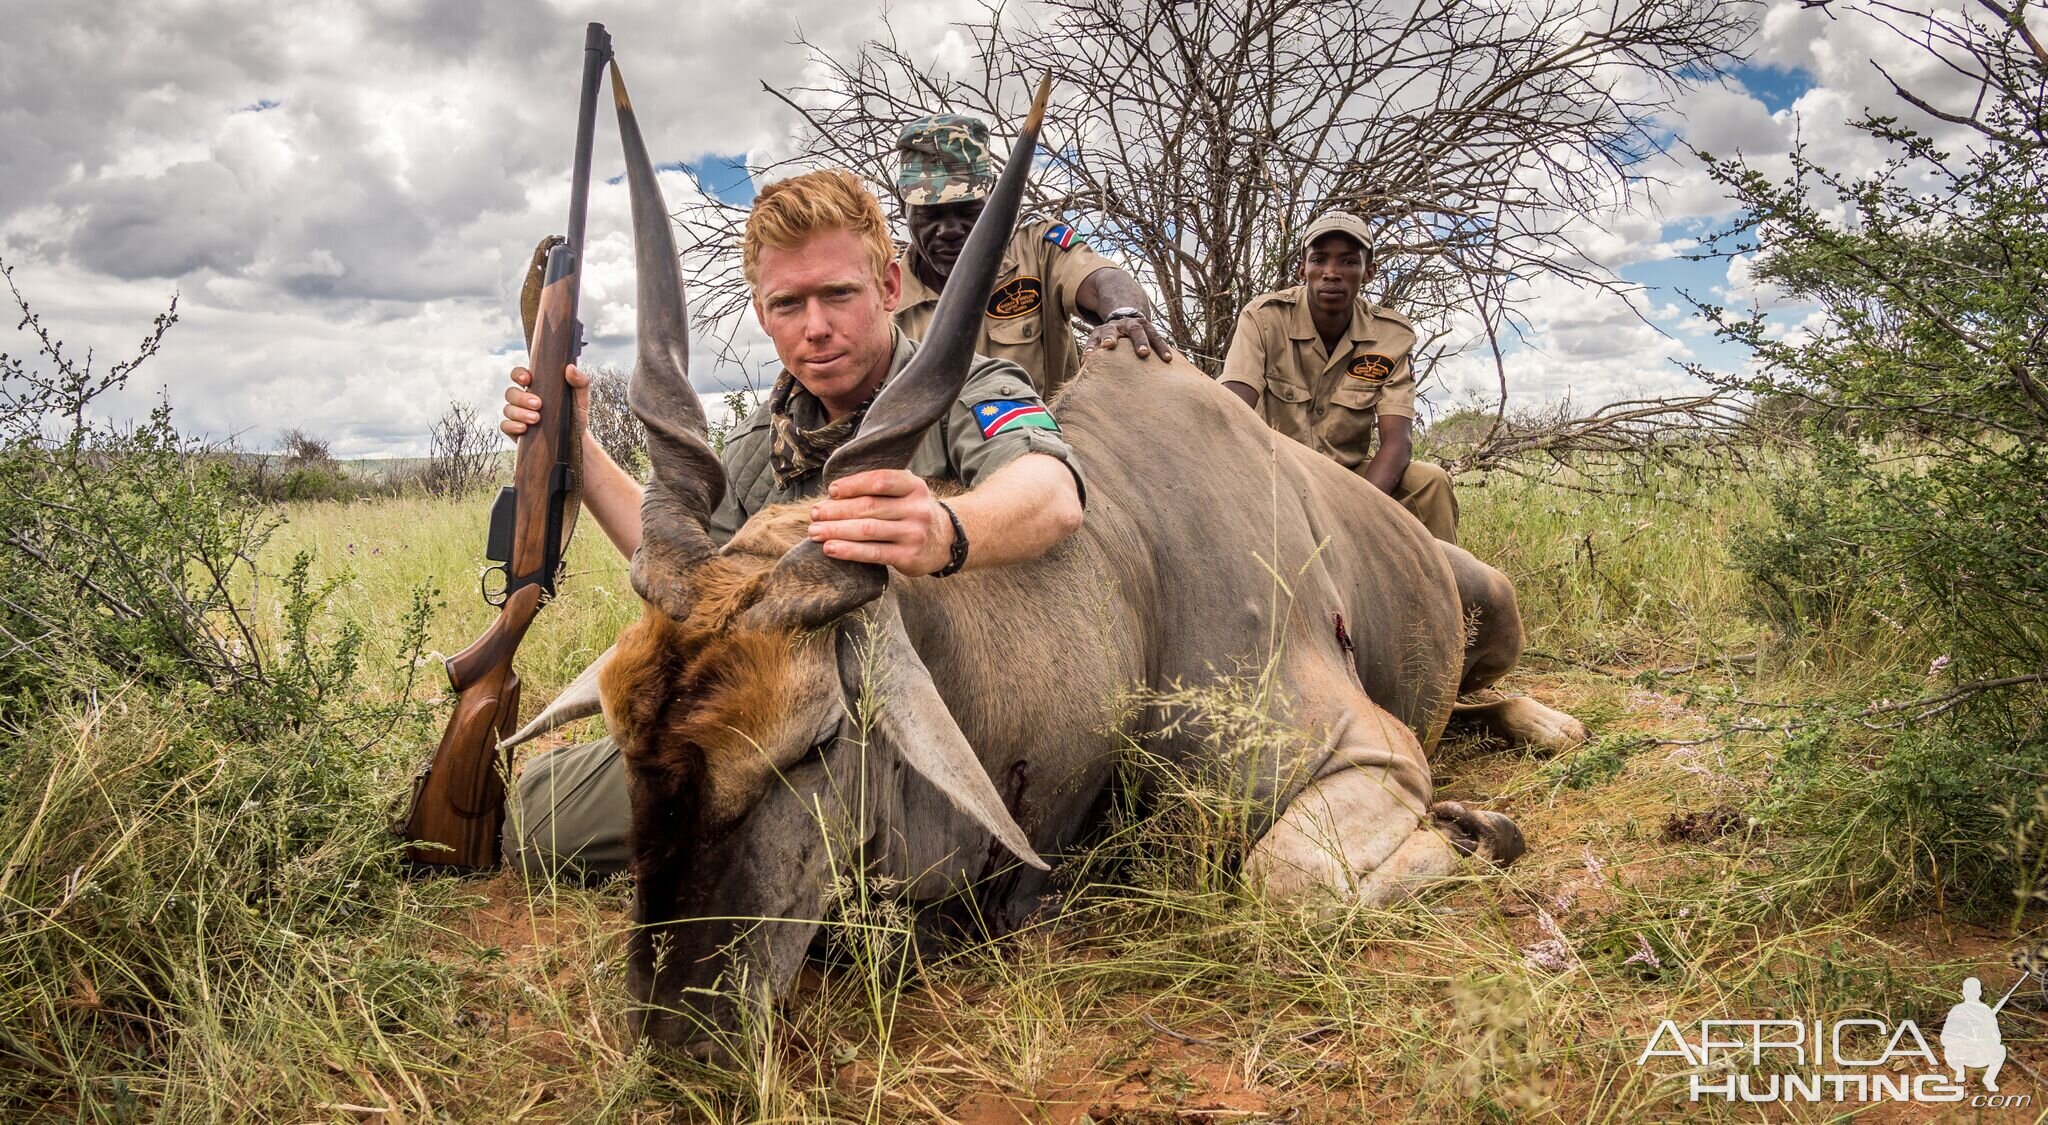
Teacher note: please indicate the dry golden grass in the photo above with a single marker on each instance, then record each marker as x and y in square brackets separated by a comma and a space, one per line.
[1159, 993]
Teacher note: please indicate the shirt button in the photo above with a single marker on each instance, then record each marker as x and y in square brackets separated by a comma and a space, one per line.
[1319, 411]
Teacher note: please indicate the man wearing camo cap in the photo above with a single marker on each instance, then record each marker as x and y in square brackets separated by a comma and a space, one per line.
[1048, 274]
[1331, 370]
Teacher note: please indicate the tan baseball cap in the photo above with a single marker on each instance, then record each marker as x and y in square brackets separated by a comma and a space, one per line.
[1337, 222]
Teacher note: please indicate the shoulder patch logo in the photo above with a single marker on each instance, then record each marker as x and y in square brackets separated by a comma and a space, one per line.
[1020, 297]
[1062, 236]
[1371, 368]
[1001, 415]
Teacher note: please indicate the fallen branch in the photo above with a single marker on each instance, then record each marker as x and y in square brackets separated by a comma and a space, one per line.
[1698, 431]
[1949, 700]
[1933, 704]
[1710, 662]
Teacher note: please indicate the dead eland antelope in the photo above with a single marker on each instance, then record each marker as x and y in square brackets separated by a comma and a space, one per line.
[995, 721]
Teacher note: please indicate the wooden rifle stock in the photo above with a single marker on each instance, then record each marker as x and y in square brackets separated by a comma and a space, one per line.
[458, 799]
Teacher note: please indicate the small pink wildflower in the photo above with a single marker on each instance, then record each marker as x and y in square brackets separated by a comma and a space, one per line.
[1644, 955]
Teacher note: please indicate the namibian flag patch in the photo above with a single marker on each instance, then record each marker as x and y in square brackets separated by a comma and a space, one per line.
[1061, 235]
[1001, 415]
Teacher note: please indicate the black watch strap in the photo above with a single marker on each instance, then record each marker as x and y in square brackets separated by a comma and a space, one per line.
[959, 557]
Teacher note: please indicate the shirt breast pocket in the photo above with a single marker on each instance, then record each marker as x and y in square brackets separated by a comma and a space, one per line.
[1288, 407]
[1348, 426]
[1019, 332]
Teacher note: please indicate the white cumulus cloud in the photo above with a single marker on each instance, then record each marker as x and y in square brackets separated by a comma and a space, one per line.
[343, 195]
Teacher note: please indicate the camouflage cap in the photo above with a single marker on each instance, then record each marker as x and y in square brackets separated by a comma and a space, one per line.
[944, 159]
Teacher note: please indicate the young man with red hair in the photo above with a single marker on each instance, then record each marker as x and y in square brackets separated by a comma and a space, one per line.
[818, 258]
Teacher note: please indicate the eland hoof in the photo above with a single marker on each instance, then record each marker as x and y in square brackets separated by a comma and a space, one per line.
[1545, 730]
[1475, 832]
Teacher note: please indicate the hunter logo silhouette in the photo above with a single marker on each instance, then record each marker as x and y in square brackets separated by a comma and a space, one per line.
[1969, 1037]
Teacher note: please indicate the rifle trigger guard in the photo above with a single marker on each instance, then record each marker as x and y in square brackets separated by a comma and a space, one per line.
[497, 596]
[513, 583]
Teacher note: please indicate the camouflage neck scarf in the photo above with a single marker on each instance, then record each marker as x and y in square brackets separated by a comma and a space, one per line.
[796, 452]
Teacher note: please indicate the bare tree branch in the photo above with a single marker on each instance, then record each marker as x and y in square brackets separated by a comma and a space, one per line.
[1193, 140]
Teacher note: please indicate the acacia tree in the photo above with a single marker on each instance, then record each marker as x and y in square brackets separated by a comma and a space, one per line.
[1916, 528]
[301, 449]
[461, 447]
[1193, 139]
[1934, 333]
[612, 421]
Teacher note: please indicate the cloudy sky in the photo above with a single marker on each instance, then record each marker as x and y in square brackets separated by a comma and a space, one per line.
[342, 195]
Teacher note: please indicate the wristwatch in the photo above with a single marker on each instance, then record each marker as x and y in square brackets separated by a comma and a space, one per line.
[959, 556]
[1125, 313]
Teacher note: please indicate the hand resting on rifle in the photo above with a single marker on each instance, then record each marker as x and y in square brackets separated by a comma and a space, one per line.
[610, 494]
[884, 516]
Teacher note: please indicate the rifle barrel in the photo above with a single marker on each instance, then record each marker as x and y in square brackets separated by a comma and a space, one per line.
[597, 51]
[2015, 988]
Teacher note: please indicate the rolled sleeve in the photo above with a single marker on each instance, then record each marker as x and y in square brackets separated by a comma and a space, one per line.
[1067, 269]
[1398, 396]
[1245, 362]
[972, 458]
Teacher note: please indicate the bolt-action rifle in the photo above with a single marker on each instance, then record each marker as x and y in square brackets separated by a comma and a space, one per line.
[458, 799]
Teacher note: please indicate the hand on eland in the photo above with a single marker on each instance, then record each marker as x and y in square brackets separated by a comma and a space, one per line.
[884, 516]
[1146, 338]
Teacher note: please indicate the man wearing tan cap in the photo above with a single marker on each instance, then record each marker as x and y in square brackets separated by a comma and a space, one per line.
[1328, 369]
[944, 173]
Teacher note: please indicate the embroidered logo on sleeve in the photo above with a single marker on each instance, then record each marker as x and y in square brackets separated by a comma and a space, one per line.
[1001, 415]
[1019, 297]
[1371, 368]
[1062, 236]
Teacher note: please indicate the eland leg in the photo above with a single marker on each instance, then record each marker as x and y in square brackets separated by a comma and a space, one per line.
[1365, 827]
[1493, 644]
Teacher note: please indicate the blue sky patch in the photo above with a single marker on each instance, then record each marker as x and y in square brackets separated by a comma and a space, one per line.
[721, 175]
[1774, 87]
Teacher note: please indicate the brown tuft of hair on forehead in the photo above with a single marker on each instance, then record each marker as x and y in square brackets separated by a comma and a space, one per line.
[688, 700]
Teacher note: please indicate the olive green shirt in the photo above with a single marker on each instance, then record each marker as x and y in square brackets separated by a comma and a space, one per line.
[953, 448]
[1329, 400]
[1027, 320]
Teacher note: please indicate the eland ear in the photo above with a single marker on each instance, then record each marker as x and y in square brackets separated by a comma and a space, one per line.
[875, 653]
[578, 701]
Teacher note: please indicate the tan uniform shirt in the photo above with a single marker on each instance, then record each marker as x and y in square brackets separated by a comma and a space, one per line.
[953, 449]
[1026, 321]
[1327, 400]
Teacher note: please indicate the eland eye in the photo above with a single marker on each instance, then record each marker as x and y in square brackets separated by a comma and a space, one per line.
[815, 752]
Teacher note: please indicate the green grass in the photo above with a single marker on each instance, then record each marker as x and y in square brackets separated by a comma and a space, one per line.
[205, 932]
[390, 546]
